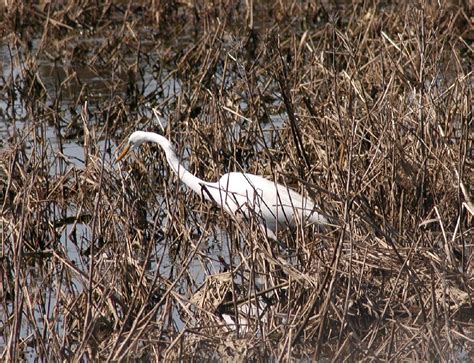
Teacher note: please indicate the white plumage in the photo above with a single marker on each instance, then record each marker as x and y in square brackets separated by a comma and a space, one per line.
[241, 193]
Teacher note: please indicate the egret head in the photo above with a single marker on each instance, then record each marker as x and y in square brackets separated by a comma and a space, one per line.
[135, 140]
[139, 137]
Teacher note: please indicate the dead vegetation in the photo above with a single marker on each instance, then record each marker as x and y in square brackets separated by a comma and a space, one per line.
[366, 106]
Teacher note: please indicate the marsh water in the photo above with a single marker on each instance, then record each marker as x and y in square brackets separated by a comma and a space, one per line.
[63, 84]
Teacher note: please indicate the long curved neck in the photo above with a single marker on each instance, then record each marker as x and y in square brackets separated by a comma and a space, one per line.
[186, 177]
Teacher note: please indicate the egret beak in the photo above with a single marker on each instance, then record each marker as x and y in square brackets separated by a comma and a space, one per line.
[124, 152]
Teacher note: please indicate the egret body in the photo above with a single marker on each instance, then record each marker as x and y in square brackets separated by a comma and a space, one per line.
[237, 193]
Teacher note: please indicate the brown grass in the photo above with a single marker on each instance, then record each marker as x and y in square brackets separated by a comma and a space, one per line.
[367, 107]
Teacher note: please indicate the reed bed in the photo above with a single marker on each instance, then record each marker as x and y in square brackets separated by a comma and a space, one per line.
[364, 106]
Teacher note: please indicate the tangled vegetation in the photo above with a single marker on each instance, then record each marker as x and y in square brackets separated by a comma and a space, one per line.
[364, 105]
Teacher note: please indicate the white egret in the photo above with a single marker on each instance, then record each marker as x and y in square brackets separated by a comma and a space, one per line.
[240, 193]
